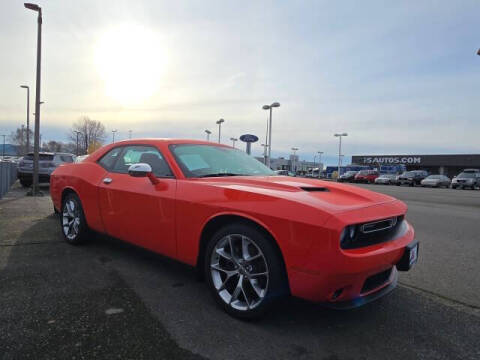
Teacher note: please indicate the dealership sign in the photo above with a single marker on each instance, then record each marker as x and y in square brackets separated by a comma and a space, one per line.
[391, 160]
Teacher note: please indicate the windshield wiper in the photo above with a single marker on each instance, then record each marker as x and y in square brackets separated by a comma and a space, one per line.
[221, 175]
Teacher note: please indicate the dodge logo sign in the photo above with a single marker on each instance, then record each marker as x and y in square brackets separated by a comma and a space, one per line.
[392, 160]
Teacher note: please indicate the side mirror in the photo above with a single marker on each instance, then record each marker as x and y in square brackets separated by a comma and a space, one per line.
[142, 170]
[139, 170]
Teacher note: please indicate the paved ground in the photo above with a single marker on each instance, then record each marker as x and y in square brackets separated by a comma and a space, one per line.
[111, 300]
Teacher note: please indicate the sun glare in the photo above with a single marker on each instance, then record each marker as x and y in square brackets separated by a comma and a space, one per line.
[130, 60]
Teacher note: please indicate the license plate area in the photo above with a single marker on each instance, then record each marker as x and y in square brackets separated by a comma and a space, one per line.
[409, 258]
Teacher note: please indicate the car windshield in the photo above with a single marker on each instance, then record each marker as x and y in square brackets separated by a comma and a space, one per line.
[198, 160]
[431, 177]
[466, 175]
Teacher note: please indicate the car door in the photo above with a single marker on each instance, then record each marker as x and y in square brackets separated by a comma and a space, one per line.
[135, 210]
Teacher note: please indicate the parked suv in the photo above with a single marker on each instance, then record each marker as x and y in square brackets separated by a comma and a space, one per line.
[366, 176]
[349, 176]
[412, 178]
[47, 162]
[468, 178]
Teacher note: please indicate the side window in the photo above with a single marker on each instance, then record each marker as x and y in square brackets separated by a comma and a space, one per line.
[142, 154]
[108, 160]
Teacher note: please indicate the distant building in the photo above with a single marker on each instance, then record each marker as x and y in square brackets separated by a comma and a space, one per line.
[449, 165]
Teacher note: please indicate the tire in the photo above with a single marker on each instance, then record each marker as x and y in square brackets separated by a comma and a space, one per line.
[224, 273]
[72, 220]
[25, 183]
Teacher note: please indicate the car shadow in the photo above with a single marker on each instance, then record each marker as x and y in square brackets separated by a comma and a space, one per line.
[389, 328]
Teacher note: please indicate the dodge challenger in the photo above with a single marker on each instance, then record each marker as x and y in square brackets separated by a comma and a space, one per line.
[254, 236]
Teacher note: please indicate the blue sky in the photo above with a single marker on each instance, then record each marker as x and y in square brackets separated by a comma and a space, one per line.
[399, 78]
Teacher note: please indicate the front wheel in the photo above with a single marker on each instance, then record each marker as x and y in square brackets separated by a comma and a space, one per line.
[244, 271]
[72, 220]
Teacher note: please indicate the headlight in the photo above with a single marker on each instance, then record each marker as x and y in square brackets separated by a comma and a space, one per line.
[348, 235]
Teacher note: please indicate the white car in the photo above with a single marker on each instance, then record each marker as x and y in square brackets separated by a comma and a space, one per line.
[386, 179]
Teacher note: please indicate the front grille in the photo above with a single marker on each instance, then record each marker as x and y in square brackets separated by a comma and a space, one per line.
[376, 232]
[376, 281]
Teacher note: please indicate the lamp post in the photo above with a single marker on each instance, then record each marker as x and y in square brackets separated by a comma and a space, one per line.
[219, 123]
[77, 132]
[478, 52]
[265, 146]
[28, 115]
[340, 151]
[208, 132]
[113, 136]
[319, 162]
[269, 143]
[130, 134]
[294, 162]
[36, 145]
[233, 141]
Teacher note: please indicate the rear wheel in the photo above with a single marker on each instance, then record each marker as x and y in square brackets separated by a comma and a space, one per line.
[244, 271]
[72, 220]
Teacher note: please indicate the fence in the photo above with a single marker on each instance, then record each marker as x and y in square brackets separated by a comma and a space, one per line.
[8, 175]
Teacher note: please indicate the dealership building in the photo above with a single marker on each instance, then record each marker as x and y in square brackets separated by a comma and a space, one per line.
[449, 165]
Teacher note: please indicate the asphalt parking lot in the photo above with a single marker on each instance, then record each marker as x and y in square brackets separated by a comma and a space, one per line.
[110, 300]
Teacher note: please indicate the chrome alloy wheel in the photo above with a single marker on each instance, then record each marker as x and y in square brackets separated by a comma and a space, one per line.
[71, 219]
[239, 272]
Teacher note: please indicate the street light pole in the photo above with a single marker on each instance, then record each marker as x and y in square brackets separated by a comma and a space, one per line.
[219, 122]
[36, 145]
[208, 132]
[319, 162]
[269, 144]
[130, 134]
[340, 151]
[264, 153]
[233, 141]
[294, 161]
[28, 116]
[113, 136]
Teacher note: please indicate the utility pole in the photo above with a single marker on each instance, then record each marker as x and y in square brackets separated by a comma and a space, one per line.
[319, 162]
[340, 151]
[269, 107]
[36, 146]
[208, 132]
[219, 123]
[294, 160]
[130, 134]
[113, 136]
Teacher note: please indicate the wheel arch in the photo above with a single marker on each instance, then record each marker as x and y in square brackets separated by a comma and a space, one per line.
[217, 222]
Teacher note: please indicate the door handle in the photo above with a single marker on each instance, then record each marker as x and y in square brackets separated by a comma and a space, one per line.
[107, 180]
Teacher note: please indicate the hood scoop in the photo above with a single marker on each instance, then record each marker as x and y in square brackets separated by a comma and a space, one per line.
[314, 189]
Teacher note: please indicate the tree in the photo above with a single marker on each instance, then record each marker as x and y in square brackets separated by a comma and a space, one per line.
[92, 134]
[19, 137]
[53, 146]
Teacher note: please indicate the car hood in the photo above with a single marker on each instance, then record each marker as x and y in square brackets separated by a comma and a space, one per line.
[327, 196]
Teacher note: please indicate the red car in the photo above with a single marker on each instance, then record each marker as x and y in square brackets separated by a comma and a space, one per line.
[366, 176]
[254, 236]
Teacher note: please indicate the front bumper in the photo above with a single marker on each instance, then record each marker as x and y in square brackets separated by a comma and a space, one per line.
[334, 275]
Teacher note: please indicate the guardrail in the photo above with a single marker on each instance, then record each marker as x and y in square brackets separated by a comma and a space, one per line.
[8, 175]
